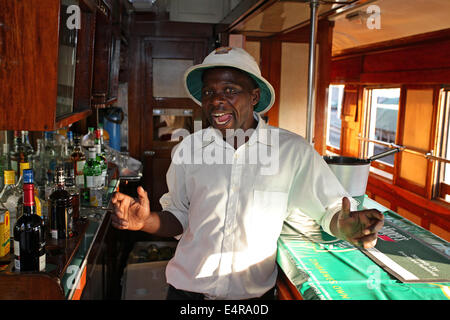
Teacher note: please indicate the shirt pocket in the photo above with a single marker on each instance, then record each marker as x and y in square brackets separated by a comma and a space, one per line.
[269, 210]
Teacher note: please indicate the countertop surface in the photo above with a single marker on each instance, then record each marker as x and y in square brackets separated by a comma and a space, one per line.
[322, 267]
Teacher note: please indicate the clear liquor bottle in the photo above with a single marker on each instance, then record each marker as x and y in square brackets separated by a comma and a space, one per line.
[88, 140]
[40, 172]
[50, 156]
[27, 145]
[18, 153]
[60, 209]
[10, 195]
[29, 232]
[70, 142]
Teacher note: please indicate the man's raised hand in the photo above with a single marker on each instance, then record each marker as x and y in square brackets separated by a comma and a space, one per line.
[130, 213]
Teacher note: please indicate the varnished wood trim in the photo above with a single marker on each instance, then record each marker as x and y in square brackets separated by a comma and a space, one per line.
[285, 288]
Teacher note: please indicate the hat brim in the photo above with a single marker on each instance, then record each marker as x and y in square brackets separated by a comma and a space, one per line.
[193, 84]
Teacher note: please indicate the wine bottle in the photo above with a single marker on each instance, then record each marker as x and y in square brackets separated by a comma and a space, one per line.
[60, 209]
[29, 234]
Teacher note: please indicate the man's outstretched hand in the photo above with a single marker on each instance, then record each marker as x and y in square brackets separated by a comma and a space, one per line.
[130, 213]
[359, 227]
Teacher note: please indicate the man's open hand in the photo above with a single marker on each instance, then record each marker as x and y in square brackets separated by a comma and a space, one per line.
[130, 213]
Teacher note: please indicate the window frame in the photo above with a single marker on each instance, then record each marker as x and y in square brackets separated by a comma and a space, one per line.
[440, 188]
[331, 148]
[365, 128]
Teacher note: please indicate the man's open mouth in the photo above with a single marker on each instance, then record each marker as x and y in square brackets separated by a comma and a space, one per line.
[221, 118]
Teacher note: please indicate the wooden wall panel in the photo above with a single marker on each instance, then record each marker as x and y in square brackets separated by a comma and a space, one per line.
[416, 131]
[418, 58]
[271, 70]
[409, 215]
[350, 123]
[347, 70]
[293, 87]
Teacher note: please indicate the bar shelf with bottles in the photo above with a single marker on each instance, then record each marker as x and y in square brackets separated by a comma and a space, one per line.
[73, 179]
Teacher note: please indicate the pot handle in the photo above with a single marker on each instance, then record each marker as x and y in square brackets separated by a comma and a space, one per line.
[384, 154]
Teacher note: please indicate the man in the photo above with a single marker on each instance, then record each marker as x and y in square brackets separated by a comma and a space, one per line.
[232, 185]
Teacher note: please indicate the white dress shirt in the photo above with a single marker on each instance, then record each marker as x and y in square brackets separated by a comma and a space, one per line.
[232, 205]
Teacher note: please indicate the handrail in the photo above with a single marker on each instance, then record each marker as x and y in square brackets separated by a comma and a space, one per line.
[428, 155]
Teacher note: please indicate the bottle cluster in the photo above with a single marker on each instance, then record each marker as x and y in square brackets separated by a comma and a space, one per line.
[42, 191]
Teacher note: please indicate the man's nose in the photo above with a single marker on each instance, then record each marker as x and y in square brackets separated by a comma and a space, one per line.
[218, 98]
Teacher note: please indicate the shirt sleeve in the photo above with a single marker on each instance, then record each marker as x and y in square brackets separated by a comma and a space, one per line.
[175, 200]
[316, 191]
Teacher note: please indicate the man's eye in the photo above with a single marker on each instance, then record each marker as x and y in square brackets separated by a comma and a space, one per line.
[230, 90]
[206, 93]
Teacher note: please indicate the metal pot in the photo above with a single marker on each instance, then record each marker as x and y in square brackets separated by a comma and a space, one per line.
[353, 173]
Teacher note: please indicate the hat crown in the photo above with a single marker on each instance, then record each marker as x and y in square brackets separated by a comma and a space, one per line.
[233, 57]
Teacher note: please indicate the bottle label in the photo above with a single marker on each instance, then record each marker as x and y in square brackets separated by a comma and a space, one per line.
[17, 255]
[42, 263]
[79, 180]
[89, 181]
[17, 248]
[99, 181]
[54, 234]
[80, 166]
[17, 264]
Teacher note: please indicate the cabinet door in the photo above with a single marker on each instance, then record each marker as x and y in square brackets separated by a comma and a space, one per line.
[45, 67]
[106, 60]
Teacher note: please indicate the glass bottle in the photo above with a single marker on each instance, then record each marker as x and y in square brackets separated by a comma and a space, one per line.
[100, 157]
[88, 140]
[40, 172]
[79, 159]
[104, 135]
[24, 166]
[29, 232]
[27, 145]
[92, 172]
[74, 191]
[70, 142]
[5, 231]
[18, 153]
[50, 155]
[10, 195]
[60, 209]
[5, 163]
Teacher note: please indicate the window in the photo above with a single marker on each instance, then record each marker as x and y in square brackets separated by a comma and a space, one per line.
[380, 127]
[443, 172]
[335, 98]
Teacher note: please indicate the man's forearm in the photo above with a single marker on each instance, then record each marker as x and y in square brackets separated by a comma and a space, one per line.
[163, 224]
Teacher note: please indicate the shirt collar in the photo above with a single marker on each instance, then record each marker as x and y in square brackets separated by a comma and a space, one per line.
[261, 134]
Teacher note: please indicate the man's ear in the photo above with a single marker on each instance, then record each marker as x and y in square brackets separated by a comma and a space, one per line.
[255, 96]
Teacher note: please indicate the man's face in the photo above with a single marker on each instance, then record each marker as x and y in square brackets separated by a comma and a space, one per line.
[228, 99]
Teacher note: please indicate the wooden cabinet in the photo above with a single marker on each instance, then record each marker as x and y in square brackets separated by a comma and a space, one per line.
[106, 55]
[46, 53]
